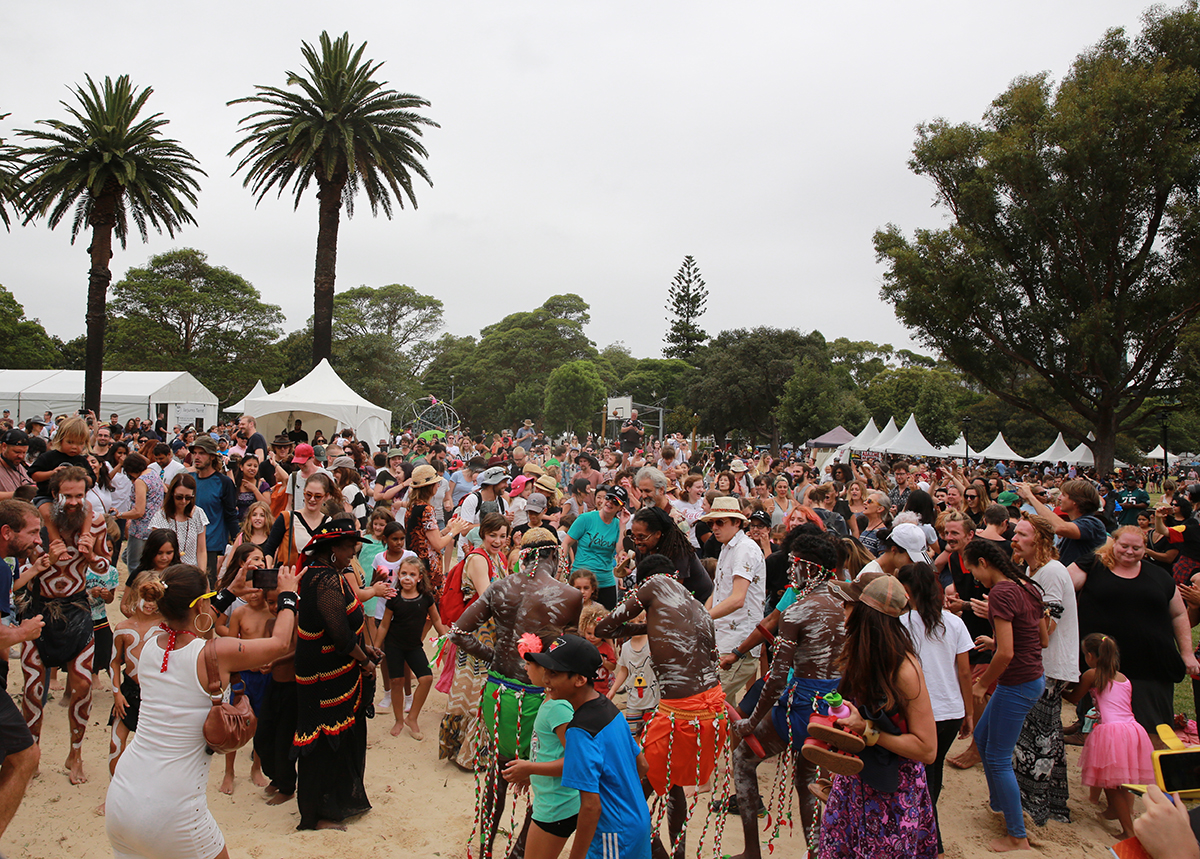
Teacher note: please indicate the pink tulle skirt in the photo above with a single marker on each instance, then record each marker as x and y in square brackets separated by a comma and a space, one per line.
[1117, 753]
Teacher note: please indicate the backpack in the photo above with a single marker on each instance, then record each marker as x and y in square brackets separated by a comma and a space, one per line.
[453, 603]
[279, 493]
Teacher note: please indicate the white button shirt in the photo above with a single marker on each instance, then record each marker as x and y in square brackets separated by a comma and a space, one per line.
[740, 557]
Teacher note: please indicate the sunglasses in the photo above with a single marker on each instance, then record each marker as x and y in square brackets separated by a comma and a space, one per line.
[179, 496]
[971, 497]
[314, 496]
[206, 596]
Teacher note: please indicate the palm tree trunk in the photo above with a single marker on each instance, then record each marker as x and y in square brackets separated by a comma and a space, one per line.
[330, 197]
[102, 221]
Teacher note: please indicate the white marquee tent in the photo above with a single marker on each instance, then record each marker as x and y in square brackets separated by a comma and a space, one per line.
[1060, 451]
[861, 441]
[129, 393]
[322, 401]
[259, 390]
[999, 449]
[908, 442]
[889, 432]
[1156, 455]
[957, 449]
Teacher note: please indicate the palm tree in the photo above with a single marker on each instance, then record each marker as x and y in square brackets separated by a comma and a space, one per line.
[343, 129]
[108, 166]
[10, 182]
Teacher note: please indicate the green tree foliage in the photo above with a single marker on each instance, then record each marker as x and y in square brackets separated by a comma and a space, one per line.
[344, 131]
[654, 379]
[686, 303]
[937, 398]
[574, 396]
[108, 166]
[10, 180]
[24, 343]
[1073, 249]
[396, 312]
[742, 375]
[820, 395]
[183, 312]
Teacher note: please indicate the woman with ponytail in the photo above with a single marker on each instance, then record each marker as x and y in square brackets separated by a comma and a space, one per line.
[157, 804]
[942, 643]
[1014, 608]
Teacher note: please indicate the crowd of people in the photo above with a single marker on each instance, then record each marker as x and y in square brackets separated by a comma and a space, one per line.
[614, 622]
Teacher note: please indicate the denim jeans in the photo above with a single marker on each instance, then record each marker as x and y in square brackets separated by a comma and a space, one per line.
[996, 737]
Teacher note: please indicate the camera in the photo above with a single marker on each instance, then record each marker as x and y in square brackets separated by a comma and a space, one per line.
[266, 579]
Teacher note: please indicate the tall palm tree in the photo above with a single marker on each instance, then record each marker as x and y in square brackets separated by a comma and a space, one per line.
[343, 130]
[10, 181]
[108, 165]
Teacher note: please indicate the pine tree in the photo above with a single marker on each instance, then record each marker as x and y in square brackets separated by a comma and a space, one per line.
[686, 304]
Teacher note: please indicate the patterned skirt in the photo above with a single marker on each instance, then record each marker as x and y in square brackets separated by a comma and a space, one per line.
[861, 823]
[1040, 758]
[460, 733]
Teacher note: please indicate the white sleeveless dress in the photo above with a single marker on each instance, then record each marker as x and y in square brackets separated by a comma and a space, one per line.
[157, 806]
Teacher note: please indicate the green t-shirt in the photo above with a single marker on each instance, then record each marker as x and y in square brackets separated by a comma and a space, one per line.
[1128, 497]
[551, 801]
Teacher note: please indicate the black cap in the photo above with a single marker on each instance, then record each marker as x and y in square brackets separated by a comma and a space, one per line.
[569, 654]
[618, 494]
[14, 437]
[760, 517]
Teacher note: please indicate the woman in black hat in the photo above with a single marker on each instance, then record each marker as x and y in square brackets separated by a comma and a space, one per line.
[335, 683]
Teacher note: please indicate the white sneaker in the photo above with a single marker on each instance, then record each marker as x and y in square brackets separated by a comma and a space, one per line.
[407, 703]
[386, 701]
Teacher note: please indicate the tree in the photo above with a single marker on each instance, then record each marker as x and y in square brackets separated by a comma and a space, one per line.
[686, 303]
[396, 312]
[182, 310]
[343, 130]
[1073, 254]
[108, 166]
[820, 395]
[24, 343]
[10, 179]
[574, 395]
[937, 398]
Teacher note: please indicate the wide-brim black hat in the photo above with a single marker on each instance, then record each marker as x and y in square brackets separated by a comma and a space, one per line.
[332, 532]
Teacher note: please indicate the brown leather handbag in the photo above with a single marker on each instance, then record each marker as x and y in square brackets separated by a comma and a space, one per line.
[230, 725]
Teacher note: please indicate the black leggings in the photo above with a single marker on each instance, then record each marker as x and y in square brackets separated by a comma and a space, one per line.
[947, 731]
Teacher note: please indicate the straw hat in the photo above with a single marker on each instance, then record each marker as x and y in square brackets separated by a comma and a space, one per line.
[725, 508]
[423, 475]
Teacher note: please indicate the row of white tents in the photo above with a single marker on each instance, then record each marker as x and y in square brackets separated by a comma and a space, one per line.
[909, 441]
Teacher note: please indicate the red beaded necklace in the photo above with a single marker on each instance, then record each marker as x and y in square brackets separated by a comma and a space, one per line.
[171, 633]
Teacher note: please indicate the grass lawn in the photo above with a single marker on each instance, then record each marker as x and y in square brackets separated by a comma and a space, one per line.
[1184, 702]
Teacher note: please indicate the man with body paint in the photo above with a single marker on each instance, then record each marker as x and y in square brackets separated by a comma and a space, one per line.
[681, 749]
[527, 602]
[808, 643]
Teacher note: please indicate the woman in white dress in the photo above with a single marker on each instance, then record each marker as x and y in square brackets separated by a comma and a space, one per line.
[157, 805]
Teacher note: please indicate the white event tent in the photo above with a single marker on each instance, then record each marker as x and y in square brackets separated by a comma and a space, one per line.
[957, 449]
[908, 442]
[259, 390]
[888, 433]
[322, 401]
[129, 393]
[1156, 455]
[861, 441]
[1060, 451]
[999, 449]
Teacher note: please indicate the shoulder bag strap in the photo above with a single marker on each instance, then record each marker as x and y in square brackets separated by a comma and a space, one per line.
[214, 673]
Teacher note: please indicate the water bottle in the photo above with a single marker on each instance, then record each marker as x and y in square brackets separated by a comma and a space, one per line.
[837, 707]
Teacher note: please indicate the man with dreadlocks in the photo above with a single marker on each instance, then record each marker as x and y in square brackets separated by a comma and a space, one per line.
[807, 645]
[689, 731]
[59, 595]
[525, 603]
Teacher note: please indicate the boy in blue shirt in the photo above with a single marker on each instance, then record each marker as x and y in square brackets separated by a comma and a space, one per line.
[601, 760]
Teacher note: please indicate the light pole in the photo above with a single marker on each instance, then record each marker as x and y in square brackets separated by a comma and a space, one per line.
[1163, 421]
[966, 424]
[451, 389]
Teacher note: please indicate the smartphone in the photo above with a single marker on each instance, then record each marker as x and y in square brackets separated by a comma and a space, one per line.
[266, 579]
[1178, 769]
[83, 413]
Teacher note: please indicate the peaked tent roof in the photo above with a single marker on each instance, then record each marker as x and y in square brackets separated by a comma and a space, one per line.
[956, 448]
[1060, 451]
[910, 442]
[257, 391]
[839, 435]
[999, 449]
[869, 433]
[321, 395]
[888, 433]
[1156, 455]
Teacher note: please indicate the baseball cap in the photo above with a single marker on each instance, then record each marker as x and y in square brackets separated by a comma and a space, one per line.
[14, 437]
[853, 591]
[911, 538]
[536, 503]
[1008, 499]
[343, 462]
[569, 654]
[885, 595]
[760, 517]
[618, 494]
[304, 452]
[492, 476]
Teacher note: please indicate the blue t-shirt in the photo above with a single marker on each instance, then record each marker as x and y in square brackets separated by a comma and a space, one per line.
[601, 758]
[597, 546]
[210, 497]
[461, 486]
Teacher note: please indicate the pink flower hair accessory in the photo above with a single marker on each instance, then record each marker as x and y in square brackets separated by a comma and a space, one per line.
[528, 643]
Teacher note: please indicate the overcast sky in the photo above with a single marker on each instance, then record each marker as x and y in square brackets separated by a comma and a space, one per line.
[584, 147]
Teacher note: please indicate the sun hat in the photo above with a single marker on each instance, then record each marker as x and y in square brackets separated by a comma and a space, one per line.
[331, 532]
[304, 452]
[492, 476]
[424, 475]
[343, 462]
[518, 485]
[852, 591]
[738, 466]
[726, 507]
[911, 538]
[546, 483]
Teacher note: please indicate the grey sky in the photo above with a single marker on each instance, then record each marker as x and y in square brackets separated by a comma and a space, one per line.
[584, 147]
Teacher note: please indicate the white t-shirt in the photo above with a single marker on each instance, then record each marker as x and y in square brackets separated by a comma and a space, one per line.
[168, 472]
[938, 654]
[740, 558]
[392, 570]
[641, 685]
[186, 531]
[1060, 659]
[691, 514]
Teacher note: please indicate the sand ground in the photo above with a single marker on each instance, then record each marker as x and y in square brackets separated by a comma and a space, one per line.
[423, 807]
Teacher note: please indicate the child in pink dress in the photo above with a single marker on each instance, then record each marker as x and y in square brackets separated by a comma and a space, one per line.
[1118, 750]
